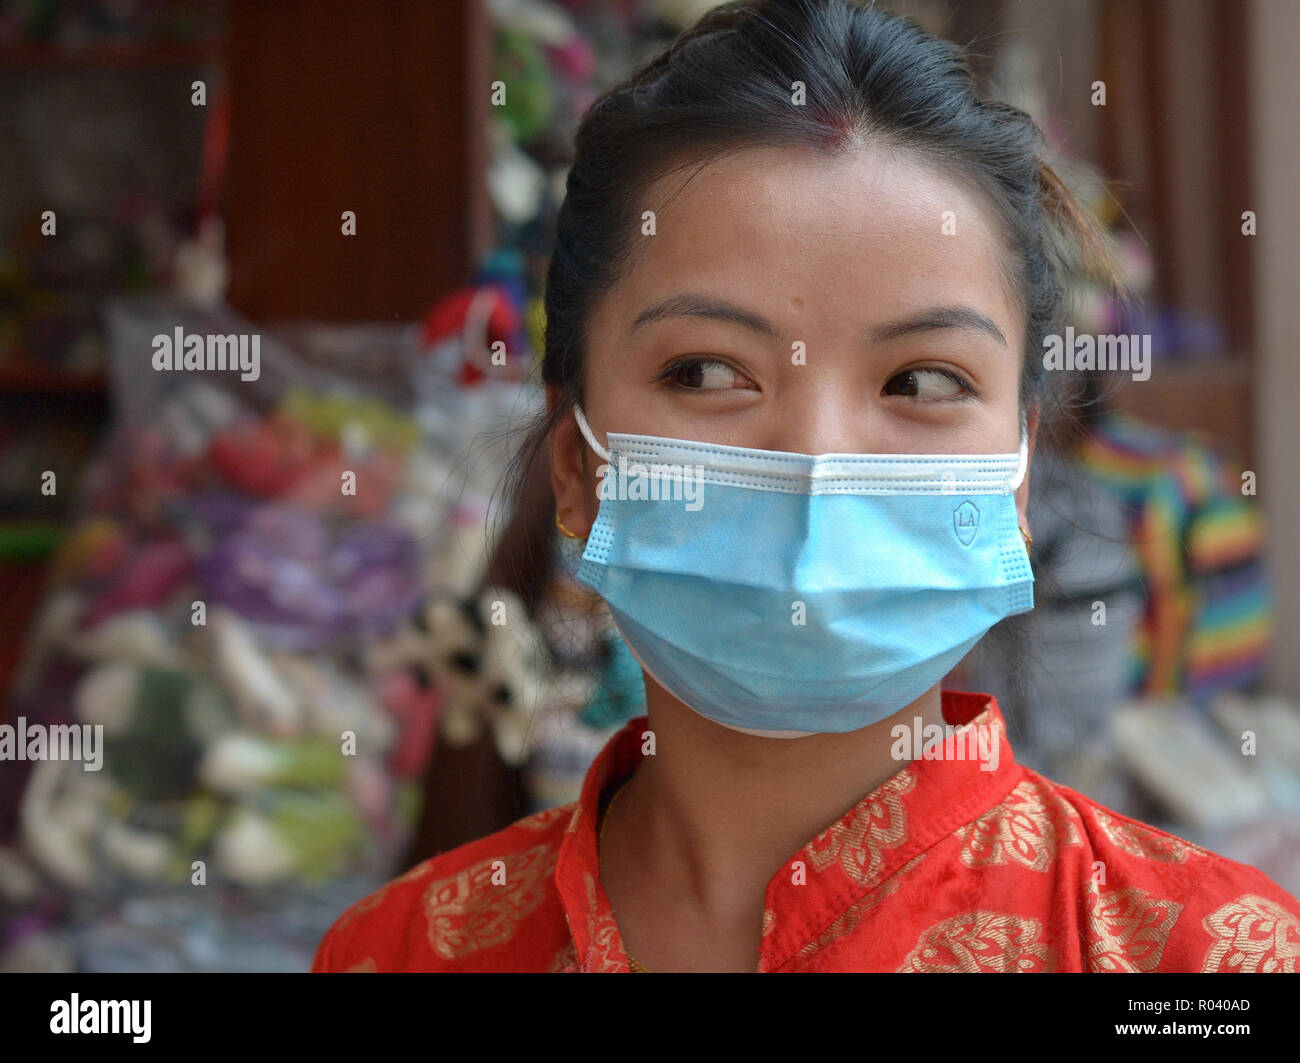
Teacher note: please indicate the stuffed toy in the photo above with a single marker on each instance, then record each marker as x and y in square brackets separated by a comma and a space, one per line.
[414, 702]
[488, 661]
[461, 329]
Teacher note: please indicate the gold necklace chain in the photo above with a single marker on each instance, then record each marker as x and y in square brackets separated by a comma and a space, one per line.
[600, 839]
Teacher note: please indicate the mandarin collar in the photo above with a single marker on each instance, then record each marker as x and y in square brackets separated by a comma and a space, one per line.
[846, 869]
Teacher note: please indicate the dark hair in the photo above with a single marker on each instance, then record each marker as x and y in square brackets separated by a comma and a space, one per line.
[725, 85]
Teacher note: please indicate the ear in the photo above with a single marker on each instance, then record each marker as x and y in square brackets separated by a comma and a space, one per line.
[574, 473]
[1022, 492]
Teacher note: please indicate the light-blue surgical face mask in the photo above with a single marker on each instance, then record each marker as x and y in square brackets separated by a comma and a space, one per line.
[788, 594]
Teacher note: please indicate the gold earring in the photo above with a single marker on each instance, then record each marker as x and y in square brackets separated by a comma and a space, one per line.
[560, 524]
[1029, 539]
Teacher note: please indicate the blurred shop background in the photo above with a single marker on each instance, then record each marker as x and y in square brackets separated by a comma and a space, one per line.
[179, 564]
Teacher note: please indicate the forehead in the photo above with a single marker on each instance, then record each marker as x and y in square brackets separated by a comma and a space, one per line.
[870, 232]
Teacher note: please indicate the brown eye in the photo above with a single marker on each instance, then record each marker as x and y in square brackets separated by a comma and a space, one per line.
[903, 384]
[928, 385]
[702, 374]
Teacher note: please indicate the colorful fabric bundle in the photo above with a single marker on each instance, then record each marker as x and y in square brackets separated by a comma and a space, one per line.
[1209, 617]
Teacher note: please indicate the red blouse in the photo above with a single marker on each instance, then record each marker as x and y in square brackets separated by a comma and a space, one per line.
[946, 866]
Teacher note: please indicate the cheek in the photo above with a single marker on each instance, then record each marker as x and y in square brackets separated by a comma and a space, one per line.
[610, 368]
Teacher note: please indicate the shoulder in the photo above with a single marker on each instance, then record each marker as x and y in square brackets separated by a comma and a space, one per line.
[488, 905]
[1236, 919]
[1042, 819]
[1153, 893]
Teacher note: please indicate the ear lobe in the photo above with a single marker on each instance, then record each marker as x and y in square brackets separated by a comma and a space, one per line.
[569, 475]
[563, 455]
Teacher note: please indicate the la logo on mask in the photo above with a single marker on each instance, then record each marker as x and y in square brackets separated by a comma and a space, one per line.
[966, 522]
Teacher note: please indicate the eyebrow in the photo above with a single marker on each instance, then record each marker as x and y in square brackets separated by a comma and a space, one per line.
[960, 317]
[705, 306]
[946, 317]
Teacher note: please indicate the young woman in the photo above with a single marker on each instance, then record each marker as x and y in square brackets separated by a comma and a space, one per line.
[800, 280]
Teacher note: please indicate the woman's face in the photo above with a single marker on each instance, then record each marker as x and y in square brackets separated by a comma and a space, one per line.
[794, 301]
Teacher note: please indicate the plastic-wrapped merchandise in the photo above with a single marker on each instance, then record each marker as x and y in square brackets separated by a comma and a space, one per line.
[251, 541]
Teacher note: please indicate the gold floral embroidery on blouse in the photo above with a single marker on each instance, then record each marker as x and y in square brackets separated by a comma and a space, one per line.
[604, 940]
[468, 911]
[1139, 840]
[1029, 826]
[981, 941]
[566, 959]
[1127, 929]
[1252, 935]
[541, 820]
[849, 920]
[859, 845]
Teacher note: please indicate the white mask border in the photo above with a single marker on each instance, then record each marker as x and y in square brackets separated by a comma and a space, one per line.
[605, 455]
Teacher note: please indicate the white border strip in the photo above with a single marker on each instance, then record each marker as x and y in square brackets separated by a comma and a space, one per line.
[821, 473]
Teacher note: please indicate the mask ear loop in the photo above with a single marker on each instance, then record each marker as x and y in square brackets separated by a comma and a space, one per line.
[587, 434]
[1020, 477]
[1023, 466]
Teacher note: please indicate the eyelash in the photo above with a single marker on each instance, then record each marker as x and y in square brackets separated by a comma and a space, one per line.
[967, 392]
[665, 377]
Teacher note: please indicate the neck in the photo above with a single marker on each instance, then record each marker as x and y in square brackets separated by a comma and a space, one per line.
[714, 814]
